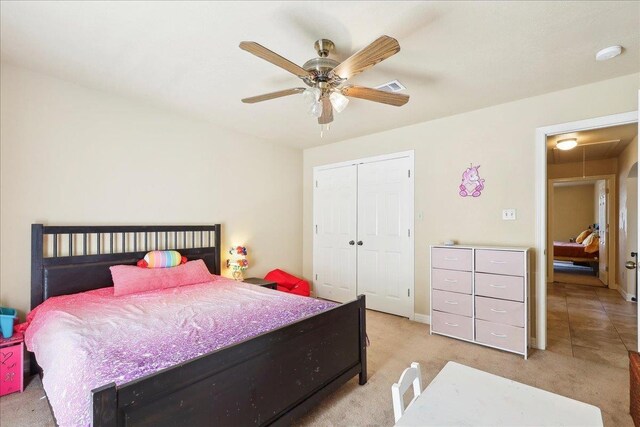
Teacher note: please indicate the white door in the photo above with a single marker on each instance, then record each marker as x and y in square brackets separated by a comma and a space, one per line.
[335, 199]
[603, 223]
[385, 222]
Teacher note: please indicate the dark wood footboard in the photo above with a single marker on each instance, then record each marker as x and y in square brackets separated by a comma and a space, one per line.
[270, 379]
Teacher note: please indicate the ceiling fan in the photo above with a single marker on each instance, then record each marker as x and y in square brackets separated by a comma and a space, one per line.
[327, 78]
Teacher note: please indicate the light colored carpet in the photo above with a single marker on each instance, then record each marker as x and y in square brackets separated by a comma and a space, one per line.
[575, 279]
[566, 272]
[395, 343]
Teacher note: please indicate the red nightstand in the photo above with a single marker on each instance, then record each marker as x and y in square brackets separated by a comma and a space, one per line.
[11, 359]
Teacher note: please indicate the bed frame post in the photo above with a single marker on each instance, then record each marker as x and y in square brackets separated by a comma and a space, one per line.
[37, 279]
[363, 340]
[37, 248]
[218, 239]
[105, 406]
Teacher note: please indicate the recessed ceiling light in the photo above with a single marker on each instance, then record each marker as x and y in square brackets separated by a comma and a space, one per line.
[567, 144]
[608, 53]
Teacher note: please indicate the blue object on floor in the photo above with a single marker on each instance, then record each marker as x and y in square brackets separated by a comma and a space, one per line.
[7, 317]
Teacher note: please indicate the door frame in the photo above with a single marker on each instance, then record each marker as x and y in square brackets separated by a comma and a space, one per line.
[611, 214]
[541, 204]
[390, 156]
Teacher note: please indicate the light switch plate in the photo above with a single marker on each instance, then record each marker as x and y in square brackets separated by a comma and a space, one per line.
[509, 214]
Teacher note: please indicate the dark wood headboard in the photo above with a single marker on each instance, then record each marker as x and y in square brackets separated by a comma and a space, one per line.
[70, 259]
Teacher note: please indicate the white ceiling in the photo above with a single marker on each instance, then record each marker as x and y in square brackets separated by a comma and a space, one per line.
[455, 57]
[598, 144]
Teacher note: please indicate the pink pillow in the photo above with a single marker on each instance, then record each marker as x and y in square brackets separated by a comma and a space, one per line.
[131, 279]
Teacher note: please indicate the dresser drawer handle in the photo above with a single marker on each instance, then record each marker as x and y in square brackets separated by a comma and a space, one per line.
[451, 302]
[498, 286]
[451, 280]
[497, 262]
[498, 311]
[450, 259]
[455, 325]
[498, 335]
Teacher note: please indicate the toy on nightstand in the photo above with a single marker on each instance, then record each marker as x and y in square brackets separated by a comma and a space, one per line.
[11, 359]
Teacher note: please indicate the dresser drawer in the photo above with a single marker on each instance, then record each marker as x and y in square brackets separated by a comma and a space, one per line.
[451, 302]
[452, 324]
[451, 258]
[497, 286]
[451, 280]
[500, 311]
[499, 335]
[500, 262]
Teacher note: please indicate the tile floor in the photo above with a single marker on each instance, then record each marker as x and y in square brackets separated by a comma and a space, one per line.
[591, 323]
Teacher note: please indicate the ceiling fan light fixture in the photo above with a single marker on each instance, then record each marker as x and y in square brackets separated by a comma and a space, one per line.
[316, 109]
[311, 95]
[567, 144]
[338, 101]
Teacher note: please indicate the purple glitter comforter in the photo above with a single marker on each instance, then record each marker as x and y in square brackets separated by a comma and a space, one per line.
[90, 339]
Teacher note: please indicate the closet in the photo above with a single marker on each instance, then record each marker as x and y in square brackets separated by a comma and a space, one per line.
[363, 232]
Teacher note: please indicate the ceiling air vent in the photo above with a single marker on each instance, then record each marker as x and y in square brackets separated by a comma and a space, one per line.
[392, 86]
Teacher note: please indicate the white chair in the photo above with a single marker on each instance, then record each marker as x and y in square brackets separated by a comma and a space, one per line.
[409, 376]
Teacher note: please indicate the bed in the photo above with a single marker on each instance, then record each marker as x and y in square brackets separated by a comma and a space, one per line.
[571, 251]
[270, 378]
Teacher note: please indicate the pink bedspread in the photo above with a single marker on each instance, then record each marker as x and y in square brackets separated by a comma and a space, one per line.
[87, 340]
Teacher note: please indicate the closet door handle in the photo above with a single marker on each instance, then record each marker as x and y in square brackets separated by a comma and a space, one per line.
[359, 242]
[351, 242]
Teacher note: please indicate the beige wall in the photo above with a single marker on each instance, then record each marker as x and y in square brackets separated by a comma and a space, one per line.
[71, 155]
[625, 162]
[501, 139]
[573, 210]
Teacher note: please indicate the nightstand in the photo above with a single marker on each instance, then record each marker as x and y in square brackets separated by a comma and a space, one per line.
[261, 282]
[11, 360]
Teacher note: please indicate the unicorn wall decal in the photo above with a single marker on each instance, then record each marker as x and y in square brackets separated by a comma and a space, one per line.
[472, 184]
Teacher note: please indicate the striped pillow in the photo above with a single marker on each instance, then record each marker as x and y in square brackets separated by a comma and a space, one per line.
[162, 259]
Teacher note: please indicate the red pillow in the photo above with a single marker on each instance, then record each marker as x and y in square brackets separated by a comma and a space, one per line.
[130, 279]
[289, 283]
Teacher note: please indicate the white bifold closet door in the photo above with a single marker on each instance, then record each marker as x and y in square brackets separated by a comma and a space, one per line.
[363, 243]
[335, 205]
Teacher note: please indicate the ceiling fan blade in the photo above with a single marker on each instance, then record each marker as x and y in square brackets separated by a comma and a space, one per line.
[381, 49]
[376, 95]
[327, 111]
[264, 53]
[272, 95]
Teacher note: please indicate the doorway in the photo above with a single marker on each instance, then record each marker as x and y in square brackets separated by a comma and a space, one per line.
[588, 313]
[579, 236]
[363, 232]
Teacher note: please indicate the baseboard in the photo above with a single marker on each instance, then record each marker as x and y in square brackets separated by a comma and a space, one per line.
[422, 318]
[625, 295]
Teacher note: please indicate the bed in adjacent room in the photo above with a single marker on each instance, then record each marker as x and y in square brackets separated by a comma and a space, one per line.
[216, 352]
[571, 251]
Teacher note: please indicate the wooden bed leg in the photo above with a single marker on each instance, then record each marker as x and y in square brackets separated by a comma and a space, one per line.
[363, 340]
[105, 406]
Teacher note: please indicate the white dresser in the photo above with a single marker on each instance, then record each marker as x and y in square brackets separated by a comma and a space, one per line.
[480, 294]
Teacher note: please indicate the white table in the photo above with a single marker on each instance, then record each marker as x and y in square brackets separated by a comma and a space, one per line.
[463, 396]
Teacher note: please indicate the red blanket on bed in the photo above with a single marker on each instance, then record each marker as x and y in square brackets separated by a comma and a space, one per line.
[571, 250]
